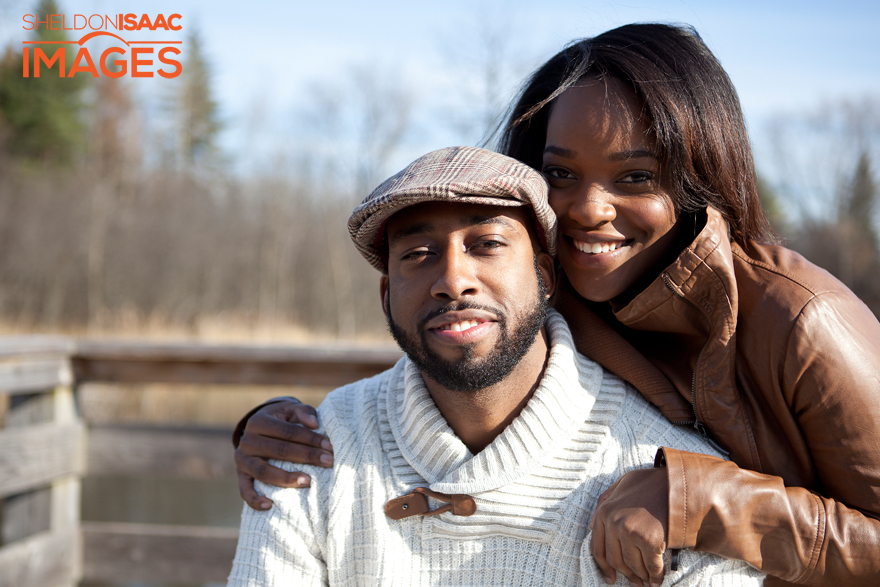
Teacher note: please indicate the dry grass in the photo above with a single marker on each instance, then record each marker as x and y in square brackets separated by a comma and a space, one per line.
[225, 327]
[199, 405]
[183, 405]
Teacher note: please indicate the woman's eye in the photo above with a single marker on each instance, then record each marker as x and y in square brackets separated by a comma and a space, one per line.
[637, 177]
[557, 173]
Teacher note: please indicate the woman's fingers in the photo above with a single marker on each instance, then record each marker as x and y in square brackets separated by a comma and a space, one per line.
[656, 568]
[250, 496]
[625, 560]
[262, 426]
[614, 557]
[629, 528]
[284, 431]
[293, 411]
[296, 448]
[278, 431]
[605, 495]
[290, 411]
[250, 468]
[597, 546]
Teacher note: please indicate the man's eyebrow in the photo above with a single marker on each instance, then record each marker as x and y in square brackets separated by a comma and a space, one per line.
[478, 219]
[409, 231]
[473, 220]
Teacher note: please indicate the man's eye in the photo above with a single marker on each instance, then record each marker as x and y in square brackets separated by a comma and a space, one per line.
[415, 255]
[487, 244]
[637, 177]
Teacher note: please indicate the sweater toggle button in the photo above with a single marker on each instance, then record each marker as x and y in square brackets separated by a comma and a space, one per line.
[399, 507]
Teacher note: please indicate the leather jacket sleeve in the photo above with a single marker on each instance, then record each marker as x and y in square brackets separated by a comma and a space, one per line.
[830, 385]
[787, 532]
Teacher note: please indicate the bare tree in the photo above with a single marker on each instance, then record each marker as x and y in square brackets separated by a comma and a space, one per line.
[487, 50]
[825, 180]
[126, 239]
[352, 130]
[357, 125]
[813, 153]
[115, 156]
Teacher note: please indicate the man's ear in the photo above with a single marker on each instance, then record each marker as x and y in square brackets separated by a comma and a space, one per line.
[383, 293]
[547, 268]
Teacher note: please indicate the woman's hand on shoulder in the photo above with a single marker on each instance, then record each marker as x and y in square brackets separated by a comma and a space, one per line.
[281, 430]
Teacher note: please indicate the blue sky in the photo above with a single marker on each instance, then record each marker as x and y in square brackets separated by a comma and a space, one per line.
[782, 56]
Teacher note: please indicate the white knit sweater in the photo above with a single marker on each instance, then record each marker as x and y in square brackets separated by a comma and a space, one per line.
[535, 487]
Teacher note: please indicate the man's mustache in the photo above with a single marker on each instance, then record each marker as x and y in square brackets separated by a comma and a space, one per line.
[457, 307]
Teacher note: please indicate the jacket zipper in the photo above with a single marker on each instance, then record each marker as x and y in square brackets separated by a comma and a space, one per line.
[698, 426]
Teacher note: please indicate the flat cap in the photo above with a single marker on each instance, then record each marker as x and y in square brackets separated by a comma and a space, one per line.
[454, 174]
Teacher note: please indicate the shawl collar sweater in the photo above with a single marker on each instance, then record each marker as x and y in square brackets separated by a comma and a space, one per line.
[535, 487]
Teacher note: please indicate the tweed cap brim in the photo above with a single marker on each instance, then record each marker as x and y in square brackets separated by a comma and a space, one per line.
[454, 174]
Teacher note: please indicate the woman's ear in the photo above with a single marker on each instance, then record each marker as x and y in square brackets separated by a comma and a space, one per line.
[547, 272]
[383, 293]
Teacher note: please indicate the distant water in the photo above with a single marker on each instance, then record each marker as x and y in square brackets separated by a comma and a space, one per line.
[153, 500]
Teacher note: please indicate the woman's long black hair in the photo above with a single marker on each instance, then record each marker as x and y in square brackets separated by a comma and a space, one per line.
[692, 106]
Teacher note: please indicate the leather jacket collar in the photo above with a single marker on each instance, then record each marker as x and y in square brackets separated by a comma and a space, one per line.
[684, 325]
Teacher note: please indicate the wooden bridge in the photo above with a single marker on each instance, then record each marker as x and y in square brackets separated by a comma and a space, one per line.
[46, 449]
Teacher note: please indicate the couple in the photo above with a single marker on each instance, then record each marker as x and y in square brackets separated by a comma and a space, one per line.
[639, 134]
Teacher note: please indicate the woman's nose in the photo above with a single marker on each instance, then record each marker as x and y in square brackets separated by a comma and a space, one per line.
[592, 207]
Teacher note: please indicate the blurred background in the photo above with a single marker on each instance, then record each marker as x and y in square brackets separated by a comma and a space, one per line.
[211, 207]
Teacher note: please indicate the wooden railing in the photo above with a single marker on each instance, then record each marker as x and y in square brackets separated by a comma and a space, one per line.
[45, 451]
[42, 458]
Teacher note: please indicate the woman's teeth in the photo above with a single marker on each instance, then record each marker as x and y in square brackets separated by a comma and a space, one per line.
[595, 248]
[459, 326]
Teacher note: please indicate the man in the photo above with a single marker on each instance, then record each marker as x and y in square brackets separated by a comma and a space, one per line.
[478, 458]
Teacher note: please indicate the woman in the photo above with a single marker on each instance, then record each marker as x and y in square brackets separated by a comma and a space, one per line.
[640, 135]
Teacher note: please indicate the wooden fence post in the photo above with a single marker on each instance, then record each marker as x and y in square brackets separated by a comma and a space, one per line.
[41, 464]
[43, 543]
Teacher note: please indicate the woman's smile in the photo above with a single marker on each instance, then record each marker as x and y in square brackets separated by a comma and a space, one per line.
[617, 223]
[597, 248]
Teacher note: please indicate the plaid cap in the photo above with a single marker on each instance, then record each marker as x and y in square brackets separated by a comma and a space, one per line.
[454, 174]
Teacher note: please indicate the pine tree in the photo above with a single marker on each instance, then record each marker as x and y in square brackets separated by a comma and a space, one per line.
[770, 202]
[41, 116]
[197, 116]
[862, 199]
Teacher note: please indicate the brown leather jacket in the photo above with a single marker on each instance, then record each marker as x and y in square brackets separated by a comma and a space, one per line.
[781, 363]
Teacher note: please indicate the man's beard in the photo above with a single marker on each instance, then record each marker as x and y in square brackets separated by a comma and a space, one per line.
[469, 373]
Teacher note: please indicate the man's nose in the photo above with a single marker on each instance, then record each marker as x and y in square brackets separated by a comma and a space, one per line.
[455, 275]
